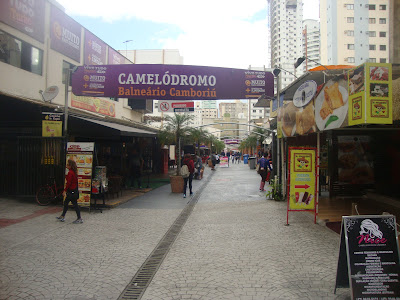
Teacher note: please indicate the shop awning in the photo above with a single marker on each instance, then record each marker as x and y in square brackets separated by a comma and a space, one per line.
[119, 128]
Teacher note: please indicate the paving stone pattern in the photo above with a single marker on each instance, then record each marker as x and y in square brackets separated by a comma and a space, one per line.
[233, 246]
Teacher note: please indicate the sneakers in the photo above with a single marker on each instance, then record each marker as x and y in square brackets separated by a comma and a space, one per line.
[78, 221]
[184, 195]
[60, 218]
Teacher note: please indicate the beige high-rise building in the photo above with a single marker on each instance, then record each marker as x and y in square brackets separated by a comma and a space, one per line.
[354, 31]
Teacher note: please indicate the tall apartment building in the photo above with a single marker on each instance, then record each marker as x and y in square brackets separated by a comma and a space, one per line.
[236, 109]
[311, 44]
[286, 21]
[204, 110]
[354, 32]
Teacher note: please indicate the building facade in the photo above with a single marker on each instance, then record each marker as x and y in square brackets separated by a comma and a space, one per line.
[311, 44]
[354, 32]
[286, 21]
[39, 46]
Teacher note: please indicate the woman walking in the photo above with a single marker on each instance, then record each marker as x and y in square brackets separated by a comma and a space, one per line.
[189, 162]
[71, 192]
[263, 170]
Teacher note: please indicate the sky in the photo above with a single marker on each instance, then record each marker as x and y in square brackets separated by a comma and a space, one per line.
[217, 33]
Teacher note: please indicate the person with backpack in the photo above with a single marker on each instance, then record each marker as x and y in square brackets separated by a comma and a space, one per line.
[187, 172]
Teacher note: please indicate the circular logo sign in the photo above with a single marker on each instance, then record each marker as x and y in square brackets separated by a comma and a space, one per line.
[164, 106]
[305, 93]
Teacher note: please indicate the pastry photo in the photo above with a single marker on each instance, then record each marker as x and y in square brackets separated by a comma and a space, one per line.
[331, 105]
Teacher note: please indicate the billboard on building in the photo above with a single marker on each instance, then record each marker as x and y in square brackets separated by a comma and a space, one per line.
[25, 16]
[65, 34]
[175, 106]
[94, 50]
[115, 58]
[171, 82]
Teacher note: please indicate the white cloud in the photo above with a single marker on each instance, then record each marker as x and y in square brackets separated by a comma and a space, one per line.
[213, 32]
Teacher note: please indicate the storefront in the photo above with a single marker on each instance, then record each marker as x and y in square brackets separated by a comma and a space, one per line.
[350, 116]
[29, 159]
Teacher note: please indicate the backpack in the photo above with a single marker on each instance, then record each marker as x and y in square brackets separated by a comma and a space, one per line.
[185, 171]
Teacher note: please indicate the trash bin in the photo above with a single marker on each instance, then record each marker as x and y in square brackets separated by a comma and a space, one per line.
[252, 162]
[245, 158]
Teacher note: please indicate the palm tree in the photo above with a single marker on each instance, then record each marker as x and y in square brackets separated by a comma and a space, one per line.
[178, 125]
[199, 136]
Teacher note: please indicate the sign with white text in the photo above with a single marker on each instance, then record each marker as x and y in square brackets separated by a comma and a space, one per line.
[171, 82]
[175, 106]
[369, 257]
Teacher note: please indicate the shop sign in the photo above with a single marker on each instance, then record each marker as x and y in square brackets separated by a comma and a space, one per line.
[305, 93]
[25, 16]
[93, 104]
[82, 154]
[369, 257]
[302, 179]
[94, 50]
[171, 82]
[224, 161]
[231, 141]
[52, 124]
[115, 58]
[175, 106]
[370, 90]
[65, 34]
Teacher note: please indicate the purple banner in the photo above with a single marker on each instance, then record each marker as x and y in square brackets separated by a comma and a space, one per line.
[95, 50]
[26, 16]
[171, 82]
[65, 34]
[115, 58]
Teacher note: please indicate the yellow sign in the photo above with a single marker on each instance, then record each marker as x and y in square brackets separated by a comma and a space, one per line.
[51, 128]
[302, 179]
[370, 94]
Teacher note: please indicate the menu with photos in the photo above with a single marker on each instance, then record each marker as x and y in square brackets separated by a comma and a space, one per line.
[82, 154]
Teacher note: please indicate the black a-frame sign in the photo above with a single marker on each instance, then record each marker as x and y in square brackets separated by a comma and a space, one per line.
[369, 258]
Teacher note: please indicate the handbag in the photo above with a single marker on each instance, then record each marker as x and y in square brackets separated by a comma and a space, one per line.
[258, 168]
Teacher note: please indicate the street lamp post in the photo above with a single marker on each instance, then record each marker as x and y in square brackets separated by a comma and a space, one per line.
[126, 47]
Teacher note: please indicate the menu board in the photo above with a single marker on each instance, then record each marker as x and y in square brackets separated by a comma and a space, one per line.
[82, 154]
[369, 257]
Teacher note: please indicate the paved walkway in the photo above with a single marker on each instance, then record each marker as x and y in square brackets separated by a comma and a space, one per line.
[234, 245]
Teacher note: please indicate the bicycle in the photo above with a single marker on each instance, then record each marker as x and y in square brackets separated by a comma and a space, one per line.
[49, 193]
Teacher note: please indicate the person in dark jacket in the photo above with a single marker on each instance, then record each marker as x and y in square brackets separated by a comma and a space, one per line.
[187, 160]
[263, 171]
[71, 193]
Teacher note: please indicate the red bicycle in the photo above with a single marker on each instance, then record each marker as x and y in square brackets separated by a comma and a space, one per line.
[49, 193]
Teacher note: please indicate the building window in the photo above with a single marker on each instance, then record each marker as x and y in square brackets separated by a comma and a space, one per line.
[382, 47]
[350, 32]
[382, 60]
[372, 47]
[350, 20]
[382, 21]
[371, 7]
[350, 46]
[382, 7]
[351, 60]
[372, 33]
[372, 60]
[372, 21]
[20, 54]
[350, 6]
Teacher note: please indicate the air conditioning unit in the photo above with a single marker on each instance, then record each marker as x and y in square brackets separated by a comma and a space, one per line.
[345, 32]
[367, 5]
[345, 5]
[345, 59]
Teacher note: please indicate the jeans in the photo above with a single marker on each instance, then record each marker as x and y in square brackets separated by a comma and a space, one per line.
[73, 197]
[190, 178]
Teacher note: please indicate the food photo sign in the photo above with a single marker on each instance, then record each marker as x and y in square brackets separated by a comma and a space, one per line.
[302, 180]
[82, 154]
[359, 96]
[370, 90]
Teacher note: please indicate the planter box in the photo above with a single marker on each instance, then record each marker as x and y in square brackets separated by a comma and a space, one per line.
[176, 184]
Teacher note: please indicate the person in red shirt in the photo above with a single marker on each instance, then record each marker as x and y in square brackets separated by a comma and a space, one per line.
[187, 160]
[71, 192]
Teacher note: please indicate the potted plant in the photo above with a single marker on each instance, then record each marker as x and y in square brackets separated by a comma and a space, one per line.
[276, 192]
[177, 126]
